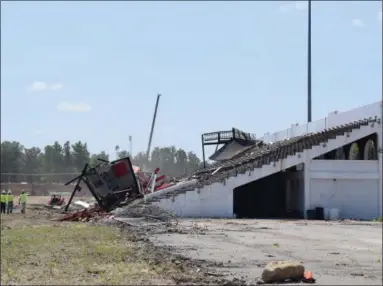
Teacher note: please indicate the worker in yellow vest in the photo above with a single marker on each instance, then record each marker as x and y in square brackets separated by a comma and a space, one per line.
[3, 200]
[9, 202]
[23, 201]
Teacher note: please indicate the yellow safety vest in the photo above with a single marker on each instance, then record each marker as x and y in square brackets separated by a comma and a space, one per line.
[3, 198]
[23, 198]
[9, 198]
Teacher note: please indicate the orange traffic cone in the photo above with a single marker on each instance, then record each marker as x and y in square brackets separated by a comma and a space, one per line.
[308, 277]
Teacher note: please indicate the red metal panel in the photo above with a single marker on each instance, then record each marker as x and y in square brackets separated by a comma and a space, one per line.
[120, 169]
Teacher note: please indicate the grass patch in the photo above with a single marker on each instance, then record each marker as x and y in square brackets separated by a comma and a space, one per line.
[75, 253]
[379, 219]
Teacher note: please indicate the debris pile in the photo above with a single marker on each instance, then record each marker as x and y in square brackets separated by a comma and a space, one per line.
[92, 212]
[115, 185]
[151, 182]
[86, 215]
[146, 211]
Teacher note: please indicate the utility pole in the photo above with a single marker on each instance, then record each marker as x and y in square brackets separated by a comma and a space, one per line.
[131, 146]
[152, 129]
[309, 63]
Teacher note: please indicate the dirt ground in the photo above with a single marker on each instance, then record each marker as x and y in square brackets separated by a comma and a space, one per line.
[135, 250]
[338, 253]
[36, 249]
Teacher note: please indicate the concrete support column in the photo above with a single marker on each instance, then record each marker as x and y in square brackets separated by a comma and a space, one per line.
[380, 160]
[288, 192]
[306, 176]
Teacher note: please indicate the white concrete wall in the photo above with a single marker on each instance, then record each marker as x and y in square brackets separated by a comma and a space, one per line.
[355, 198]
[332, 120]
[216, 200]
[332, 145]
[350, 186]
[344, 169]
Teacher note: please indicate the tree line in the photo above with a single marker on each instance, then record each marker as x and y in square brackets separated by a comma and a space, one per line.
[20, 164]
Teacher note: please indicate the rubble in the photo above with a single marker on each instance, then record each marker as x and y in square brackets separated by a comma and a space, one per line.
[117, 188]
[86, 215]
[117, 183]
[146, 211]
[280, 271]
[82, 204]
[132, 212]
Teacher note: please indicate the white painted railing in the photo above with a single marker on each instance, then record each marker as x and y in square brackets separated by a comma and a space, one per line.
[332, 120]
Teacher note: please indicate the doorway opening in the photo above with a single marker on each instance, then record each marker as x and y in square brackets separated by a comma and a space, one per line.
[280, 195]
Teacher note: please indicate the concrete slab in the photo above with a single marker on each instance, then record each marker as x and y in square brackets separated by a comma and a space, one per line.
[338, 253]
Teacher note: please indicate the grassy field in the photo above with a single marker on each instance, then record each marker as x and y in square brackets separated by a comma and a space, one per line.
[36, 250]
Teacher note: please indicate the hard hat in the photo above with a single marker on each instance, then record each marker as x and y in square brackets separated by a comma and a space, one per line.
[9, 192]
[3, 191]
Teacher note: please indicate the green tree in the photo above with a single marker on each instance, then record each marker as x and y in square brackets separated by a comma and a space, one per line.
[94, 158]
[140, 159]
[67, 157]
[70, 158]
[181, 162]
[123, 154]
[32, 163]
[156, 158]
[53, 158]
[193, 162]
[12, 159]
[168, 157]
[80, 155]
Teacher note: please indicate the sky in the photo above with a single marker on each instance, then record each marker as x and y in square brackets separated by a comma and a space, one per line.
[91, 71]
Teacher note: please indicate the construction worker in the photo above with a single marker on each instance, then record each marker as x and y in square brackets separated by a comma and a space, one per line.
[23, 201]
[9, 202]
[3, 200]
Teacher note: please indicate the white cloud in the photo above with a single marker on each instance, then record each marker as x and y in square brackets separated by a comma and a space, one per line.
[41, 86]
[301, 5]
[56, 86]
[38, 132]
[285, 8]
[38, 86]
[74, 107]
[298, 5]
[357, 23]
[380, 16]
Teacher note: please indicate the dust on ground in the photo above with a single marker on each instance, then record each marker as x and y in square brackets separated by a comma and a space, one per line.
[37, 249]
[338, 253]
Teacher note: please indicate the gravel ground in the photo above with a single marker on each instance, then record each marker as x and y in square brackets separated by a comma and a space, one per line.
[337, 253]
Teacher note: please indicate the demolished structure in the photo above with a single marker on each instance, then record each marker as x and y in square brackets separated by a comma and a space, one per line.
[111, 183]
[117, 183]
[288, 174]
[309, 170]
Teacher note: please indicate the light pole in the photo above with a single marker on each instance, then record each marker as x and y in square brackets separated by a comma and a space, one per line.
[131, 146]
[309, 62]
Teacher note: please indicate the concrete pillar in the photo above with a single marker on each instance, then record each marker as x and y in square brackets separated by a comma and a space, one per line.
[380, 160]
[288, 192]
[307, 183]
